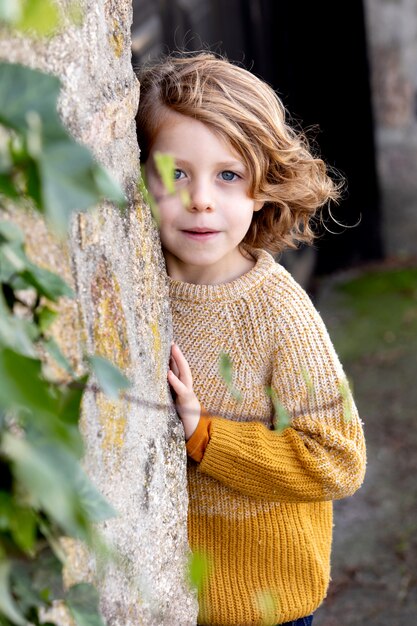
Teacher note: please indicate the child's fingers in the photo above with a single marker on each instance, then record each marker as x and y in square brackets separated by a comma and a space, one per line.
[184, 372]
[178, 386]
[173, 365]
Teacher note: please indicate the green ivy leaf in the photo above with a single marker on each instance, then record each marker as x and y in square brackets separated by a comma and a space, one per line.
[45, 317]
[64, 177]
[198, 568]
[7, 187]
[37, 582]
[70, 400]
[23, 89]
[165, 166]
[10, 11]
[13, 260]
[28, 391]
[109, 377]
[55, 352]
[82, 600]
[23, 526]
[42, 18]
[46, 283]
[40, 472]
[108, 187]
[147, 196]
[7, 604]
[226, 372]
[17, 334]
[9, 231]
[344, 390]
[282, 419]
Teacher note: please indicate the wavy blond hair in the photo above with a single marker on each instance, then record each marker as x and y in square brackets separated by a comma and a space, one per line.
[241, 108]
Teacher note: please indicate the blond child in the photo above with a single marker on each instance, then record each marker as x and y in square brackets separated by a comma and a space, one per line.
[260, 490]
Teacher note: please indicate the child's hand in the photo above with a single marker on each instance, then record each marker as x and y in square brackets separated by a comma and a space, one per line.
[181, 380]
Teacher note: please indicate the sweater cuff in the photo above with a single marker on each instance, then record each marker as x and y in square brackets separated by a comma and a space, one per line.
[197, 443]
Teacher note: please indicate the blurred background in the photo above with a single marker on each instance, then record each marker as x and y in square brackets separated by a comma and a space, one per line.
[347, 73]
[348, 76]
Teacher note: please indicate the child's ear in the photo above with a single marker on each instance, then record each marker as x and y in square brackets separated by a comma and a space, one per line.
[258, 205]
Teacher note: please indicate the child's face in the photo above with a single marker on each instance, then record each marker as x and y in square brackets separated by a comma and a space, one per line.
[201, 239]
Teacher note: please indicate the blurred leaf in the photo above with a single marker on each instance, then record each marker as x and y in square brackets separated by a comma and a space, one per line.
[7, 604]
[198, 568]
[13, 260]
[21, 384]
[23, 89]
[23, 527]
[46, 283]
[45, 318]
[70, 400]
[15, 333]
[108, 187]
[268, 606]
[54, 350]
[10, 263]
[7, 187]
[11, 232]
[36, 582]
[57, 483]
[38, 469]
[69, 178]
[165, 166]
[226, 372]
[64, 177]
[147, 196]
[82, 600]
[110, 379]
[347, 400]
[10, 11]
[40, 16]
[309, 383]
[282, 419]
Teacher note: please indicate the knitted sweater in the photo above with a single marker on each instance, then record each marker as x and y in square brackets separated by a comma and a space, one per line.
[260, 508]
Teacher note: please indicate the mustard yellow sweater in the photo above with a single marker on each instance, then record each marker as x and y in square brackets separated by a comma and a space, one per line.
[260, 506]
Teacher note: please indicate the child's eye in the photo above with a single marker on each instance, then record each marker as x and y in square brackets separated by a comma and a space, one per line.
[228, 175]
[178, 174]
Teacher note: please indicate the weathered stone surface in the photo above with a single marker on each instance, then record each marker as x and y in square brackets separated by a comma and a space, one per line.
[392, 35]
[134, 452]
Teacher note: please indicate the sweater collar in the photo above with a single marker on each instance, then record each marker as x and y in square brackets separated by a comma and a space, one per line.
[264, 265]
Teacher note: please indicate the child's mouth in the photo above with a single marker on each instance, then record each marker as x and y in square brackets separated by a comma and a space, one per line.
[200, 235]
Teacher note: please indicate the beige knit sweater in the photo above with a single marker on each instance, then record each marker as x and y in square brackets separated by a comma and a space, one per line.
[260, 506]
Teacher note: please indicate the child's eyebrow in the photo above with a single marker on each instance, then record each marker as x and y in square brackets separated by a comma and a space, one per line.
[221, 165]
[231, 165]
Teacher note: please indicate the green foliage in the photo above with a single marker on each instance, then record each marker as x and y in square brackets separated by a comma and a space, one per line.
[41, 18]
[44, 493]
[82, 600]
[40, 160]
[165, 165]
[282, 419]
[198, 569]
[226, 372]
[268, 606]
[344, 390]
[109, 377]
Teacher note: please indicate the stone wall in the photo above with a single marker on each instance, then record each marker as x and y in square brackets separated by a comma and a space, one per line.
[392, 34]
[134, 452]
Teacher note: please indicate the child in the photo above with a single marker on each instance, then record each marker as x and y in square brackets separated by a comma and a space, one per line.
[260, 507]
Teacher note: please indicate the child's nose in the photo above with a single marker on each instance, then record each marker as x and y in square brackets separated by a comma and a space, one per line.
[202, 197]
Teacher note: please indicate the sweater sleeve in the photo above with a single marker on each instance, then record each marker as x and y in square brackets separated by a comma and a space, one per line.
[321, 456]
